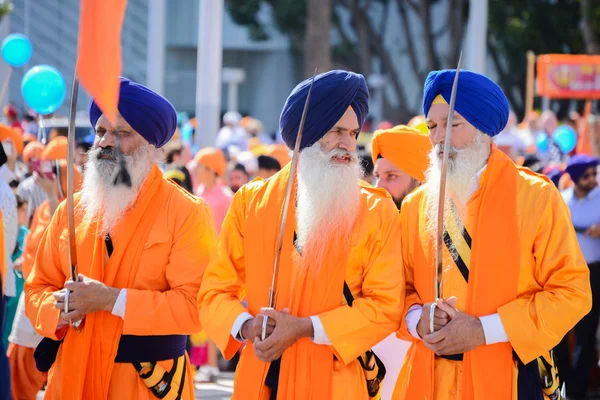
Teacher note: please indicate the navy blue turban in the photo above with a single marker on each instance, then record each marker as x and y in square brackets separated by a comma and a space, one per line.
[148, 113]
[333, 92]
[478, 99]
[578, 164]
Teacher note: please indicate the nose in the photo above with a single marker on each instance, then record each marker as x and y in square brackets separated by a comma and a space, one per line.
[347, 143]
[107, 140]
[436, 135]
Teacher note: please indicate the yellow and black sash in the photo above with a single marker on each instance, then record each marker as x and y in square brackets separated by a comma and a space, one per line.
[543, 371]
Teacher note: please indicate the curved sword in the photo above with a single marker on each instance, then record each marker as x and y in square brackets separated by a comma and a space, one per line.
[439, 244]
[286, 204]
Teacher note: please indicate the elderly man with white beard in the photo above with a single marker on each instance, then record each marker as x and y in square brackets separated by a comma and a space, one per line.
[141, 254]
[514, 279]
[339, 287]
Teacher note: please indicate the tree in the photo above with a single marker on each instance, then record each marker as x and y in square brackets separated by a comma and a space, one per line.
[6, 8]
[362, 36]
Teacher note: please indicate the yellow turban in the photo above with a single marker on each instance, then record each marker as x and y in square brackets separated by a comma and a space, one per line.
[405, 147]
[419, 123]
[213, 159]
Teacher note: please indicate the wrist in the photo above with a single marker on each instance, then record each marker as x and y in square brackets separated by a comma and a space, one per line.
[243, 330]
[306, 328]
[111, 298]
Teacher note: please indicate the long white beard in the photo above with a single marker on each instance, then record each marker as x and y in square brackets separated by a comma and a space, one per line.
[461, 170]
[104, 202]
[328, 199]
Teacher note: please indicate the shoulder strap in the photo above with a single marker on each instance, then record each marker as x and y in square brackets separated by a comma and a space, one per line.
[348, 294]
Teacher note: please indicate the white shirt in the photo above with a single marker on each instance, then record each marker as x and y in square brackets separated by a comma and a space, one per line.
[33, 193]
[8, 205]
[493, 329]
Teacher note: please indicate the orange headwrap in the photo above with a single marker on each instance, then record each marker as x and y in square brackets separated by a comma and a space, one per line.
[280, 152]
[33, 150]
[405, 147]
[56, 149]
[213, 159]
[15, 136]
[29, 137]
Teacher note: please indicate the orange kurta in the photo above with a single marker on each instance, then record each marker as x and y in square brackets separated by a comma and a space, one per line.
[552, 294]
[161, 248]
[243, 266]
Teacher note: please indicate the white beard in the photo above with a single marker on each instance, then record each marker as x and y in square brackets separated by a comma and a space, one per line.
[461, 170]
[104, 202]
[328, 199]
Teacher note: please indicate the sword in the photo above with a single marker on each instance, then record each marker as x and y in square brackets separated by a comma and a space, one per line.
[286, 204]
[71, 189]
[442, 196]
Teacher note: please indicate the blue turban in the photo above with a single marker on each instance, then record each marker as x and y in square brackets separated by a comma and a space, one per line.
[148, 113]
[478, 99]
[578, 164]
[333, 92]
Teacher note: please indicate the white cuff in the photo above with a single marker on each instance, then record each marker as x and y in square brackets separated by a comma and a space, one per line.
[236, 329]
[493, 329]
[413, 315]
[120, 303]
[320, 335]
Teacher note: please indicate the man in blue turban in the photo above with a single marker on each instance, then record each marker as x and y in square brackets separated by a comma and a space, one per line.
[142, 252]
[339, 232]
[583, 200]
[507, 249]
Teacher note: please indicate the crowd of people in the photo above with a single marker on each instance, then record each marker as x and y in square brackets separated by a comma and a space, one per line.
[396, 158]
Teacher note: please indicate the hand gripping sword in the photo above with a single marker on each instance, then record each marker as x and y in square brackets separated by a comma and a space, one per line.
[441, 201]
[286, 204]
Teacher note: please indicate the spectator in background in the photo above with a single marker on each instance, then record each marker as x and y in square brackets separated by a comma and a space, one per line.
[12, 142]
[255, 129]
[210, 168]
[534, 163]
[267, 166]
[367, 166]
[508, 140]
[28, 189]
[584, 202]
[232, 133]
[177, 155]
[12, 116]
[29, 124]
[238, 177]
[81, 154]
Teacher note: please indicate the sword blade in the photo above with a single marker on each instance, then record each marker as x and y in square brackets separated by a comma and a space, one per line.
[288, 192]
[442, 194]
[70, 179]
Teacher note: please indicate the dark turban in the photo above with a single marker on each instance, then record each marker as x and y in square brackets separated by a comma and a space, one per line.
[148, 113]
[578, 164]
[333, 92]
[478, 99]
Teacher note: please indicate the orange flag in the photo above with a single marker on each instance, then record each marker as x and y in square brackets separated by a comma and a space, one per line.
[99, 51]
[585, 131]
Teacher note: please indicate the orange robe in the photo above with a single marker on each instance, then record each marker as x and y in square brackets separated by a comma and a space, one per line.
[551, 291]
[244, 264]
[25, 379]
[161, 248]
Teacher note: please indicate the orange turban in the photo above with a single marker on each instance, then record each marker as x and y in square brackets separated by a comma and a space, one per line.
[33, 150]
[56, 149]
[280, 152]
[29, 137]
[15, 136]
[405, 147]
[213, 159]
[61, 174]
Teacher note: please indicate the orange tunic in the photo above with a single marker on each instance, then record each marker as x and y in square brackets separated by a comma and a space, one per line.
[161, 248]
[552, 281]
[244, 265]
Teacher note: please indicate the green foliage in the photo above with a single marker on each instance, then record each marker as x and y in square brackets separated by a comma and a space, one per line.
[5, 9]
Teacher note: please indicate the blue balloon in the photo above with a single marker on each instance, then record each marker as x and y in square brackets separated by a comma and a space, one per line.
[541, 142]
[16, 50]
[565, 138]
[43, 88]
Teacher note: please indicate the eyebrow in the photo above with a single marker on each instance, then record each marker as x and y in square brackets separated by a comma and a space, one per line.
[341, 128]
[457, 116]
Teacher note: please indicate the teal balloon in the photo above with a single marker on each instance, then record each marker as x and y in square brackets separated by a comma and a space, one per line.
[187, 131]
[43, 88]
[541, 142]
[16, 50]
[565, 138]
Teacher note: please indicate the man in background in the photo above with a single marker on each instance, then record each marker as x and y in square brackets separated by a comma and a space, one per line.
[267, 166]
[238, 177]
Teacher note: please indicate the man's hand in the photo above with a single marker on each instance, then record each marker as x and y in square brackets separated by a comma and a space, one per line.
[287, 330]
[463, 333]
[46, 184]
[87, 296]
[441, 318]
[252, 328]
[593, 231]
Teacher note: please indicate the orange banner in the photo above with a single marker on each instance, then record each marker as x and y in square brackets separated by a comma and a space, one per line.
[567, 76]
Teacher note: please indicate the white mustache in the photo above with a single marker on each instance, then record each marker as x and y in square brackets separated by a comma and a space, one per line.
[352, 155]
